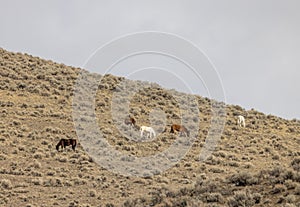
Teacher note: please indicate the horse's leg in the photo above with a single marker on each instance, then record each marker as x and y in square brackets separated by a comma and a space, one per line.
[57, 146]
[184, 132]
[73, 145]
[154, 135]
[142, 133]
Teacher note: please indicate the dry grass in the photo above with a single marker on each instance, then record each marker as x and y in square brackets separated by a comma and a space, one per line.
[254, 166]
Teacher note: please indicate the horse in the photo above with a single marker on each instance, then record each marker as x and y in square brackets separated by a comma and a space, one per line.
[181, 129]
[241, 121]
[150, 131]
[66, 142]
[130, 121]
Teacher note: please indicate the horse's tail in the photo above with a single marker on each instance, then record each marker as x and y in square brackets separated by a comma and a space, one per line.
[133, 121]
[172, 130]
[58, 144]
[74, 143]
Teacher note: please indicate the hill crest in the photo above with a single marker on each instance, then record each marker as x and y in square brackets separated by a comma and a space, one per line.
[258, 165]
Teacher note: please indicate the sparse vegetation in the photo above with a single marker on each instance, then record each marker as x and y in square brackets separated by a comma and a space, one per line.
[256, 166]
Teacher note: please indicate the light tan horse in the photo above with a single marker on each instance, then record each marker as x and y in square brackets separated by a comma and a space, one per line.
[181, 129]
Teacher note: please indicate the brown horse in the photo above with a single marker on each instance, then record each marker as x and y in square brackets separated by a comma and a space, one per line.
[66, 142]
[130, 121]
[179, 128]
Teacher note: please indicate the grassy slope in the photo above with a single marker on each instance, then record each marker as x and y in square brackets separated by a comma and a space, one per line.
[255, 166]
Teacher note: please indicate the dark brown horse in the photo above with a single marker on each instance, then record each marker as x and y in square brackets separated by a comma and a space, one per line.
[130, 121]
[179, 128]
[66, 142]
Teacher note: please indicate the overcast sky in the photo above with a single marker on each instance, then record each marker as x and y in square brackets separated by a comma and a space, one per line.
[254, 44]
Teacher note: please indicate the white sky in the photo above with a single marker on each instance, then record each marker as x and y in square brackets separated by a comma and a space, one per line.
[254, 44]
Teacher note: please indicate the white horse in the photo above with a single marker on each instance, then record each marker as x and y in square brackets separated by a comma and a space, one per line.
[241, 121]
[150, 131]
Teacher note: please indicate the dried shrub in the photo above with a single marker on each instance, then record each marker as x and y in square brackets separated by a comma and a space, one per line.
[289, 184]
[92, 193]
[279, 188]
[297, 189]
[296, 164]
[5, 184]
[38, 155]
[37, 181]
[290, 199]
[244, 198]
[243, 179]
[213, 197]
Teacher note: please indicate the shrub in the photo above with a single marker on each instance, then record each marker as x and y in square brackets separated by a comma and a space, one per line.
[296, 164]
[35, 164]
[38, 155]
[290, 198]
[289, 184]
[92, 193]
[52, 183]
[275, 172]
[243, 179]
[213, 197]
[36, 174]
[62, 159]
[206, 186]
[243, 198]
[6, 184]
[278, 189]
[36, 181]
[297, 190]
[50, 173]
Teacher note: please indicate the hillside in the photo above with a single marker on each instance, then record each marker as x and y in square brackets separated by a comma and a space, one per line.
[254, 166]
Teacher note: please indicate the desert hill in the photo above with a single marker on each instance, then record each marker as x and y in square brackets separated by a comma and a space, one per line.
[254, 166]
